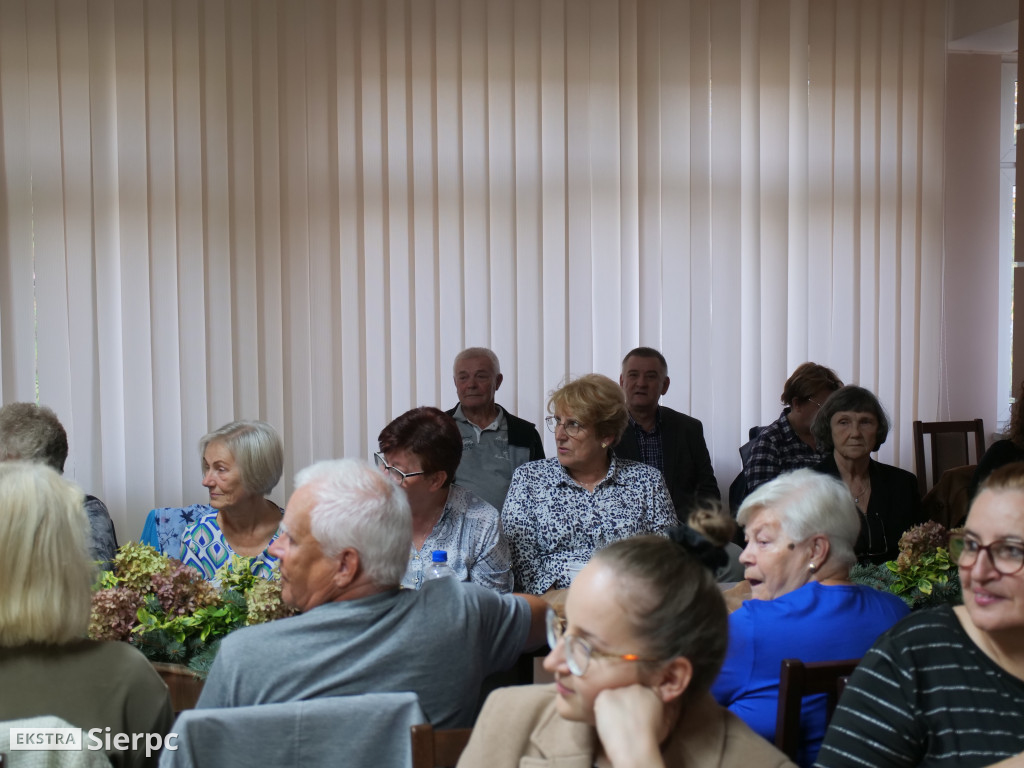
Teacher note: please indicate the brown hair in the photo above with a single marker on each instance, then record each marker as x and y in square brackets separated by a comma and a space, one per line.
[429, 433]
[1009, 477]
[807, 379]
[711, 521]
[676, 607]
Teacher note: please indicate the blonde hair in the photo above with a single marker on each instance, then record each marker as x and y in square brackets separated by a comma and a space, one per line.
[44, 557]
[596, 402]
[711, 521]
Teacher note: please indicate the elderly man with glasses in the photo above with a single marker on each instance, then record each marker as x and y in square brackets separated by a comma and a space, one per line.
[343, 549]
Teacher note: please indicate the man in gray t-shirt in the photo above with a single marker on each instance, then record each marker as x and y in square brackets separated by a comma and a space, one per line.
[343, 549]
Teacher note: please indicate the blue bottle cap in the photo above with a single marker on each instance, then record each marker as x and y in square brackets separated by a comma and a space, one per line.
[439, 556]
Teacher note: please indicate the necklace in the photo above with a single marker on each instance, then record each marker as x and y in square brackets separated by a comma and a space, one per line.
[866, 488]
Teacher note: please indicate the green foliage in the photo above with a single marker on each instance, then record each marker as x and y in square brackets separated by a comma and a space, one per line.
[927, 570]
[171, 613]
[922, 575]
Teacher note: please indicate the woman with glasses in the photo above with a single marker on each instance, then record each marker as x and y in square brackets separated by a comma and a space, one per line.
[420, 451]
[644, 635]
[852, 425]
[559, 511]
[945, 686]
[800, 529]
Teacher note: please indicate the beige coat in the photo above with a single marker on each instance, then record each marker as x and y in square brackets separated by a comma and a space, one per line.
[519, 727]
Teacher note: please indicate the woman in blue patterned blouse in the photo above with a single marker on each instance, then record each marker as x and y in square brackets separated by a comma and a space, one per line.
[559, 511]
[242, 462]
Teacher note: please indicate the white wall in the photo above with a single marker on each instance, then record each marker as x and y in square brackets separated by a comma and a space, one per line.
[970, 388]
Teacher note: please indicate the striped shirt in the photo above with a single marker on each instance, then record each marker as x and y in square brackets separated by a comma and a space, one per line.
[926, 695]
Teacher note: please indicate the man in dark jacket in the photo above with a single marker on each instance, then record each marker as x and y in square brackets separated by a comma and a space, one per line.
[656, 435]
[494, 442]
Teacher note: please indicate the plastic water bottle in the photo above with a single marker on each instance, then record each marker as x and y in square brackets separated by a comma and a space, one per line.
[438, 568]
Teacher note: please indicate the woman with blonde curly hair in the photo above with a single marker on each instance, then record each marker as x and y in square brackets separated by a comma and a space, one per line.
[45, 657]
[559, 511]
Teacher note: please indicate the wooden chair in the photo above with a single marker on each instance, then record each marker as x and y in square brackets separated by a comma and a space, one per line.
[438, 749]
[950, 447]
[797, 680]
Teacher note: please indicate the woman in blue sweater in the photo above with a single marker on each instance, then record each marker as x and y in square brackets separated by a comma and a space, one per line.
[801, 529]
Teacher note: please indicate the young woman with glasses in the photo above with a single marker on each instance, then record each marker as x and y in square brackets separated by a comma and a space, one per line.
[945, 687]
[644, 635]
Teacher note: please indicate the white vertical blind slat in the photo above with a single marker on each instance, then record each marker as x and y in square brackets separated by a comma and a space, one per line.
[134, 210]
[353, 331]
[240, 172]
[167, 374]
[48, 235]
[526, 367]
[501, 202]
[194, 331]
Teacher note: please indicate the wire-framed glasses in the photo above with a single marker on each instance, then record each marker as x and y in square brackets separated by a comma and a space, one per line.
[1006, 556]
[578, 651]
[398, 477]
[571, 427]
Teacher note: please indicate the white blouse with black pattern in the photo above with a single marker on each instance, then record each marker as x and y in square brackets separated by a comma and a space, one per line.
[552, 522]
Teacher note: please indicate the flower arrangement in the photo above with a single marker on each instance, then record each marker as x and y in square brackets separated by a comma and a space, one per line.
[170, 613]
[922, 575]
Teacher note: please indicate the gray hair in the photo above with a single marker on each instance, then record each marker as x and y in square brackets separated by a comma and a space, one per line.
[45, 566]
[806, 503]
[848, 398]
[31, 432]
[477, 352]
[257, 450]
[359, 507]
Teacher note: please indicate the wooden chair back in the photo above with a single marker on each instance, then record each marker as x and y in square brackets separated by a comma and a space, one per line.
[438, 749]
[796, 680]
[950, 447]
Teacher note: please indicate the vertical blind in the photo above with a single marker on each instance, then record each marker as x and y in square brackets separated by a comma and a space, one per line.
[220, 209]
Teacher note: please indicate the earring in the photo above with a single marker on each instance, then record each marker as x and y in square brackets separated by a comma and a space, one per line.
[811, 568]
[604, 445]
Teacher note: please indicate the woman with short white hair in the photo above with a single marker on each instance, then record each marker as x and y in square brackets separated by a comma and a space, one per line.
[800, 529]
[47, 667]
[242, 462]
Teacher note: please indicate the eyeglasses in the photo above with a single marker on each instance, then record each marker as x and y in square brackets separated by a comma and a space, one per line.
[878, 542]
[812, 400]
[577, 651]
[571, 427]
[398, 477]
[1007, 557]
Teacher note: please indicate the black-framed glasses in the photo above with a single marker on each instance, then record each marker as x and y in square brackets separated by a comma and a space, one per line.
[572, 427]
[1006, 556]
[398, 477]
[577, 651]
[878, 541]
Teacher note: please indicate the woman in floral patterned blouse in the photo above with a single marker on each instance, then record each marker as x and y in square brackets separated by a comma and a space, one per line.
[559, 511]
